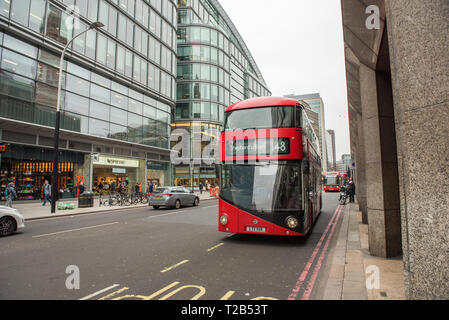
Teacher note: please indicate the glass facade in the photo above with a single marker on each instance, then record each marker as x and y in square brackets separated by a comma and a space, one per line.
[94, 104]
[213, 72]
[155, 66]
[118, 82]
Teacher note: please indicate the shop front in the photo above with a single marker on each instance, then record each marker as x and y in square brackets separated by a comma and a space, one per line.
[28, 168]
[191, 178]
[158, 173]
[115, 173]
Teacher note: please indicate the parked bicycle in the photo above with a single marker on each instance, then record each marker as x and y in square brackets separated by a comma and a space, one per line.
[137, 198]
[115, 198]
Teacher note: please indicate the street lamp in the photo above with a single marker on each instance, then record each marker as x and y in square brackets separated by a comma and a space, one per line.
[95, 25]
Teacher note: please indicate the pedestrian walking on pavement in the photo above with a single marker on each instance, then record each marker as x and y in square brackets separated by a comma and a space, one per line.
[201, 188]
[10, 194]
[47, 192]
[81, 188]
[351, 191]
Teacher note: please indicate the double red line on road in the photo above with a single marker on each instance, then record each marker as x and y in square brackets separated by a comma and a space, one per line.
[331, 226]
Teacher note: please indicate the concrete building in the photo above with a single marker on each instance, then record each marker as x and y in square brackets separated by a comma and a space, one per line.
[118, 92]
[214, 70]
[397, 66]
[330, 149]
[316, 104]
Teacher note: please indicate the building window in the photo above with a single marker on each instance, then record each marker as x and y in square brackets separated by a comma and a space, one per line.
[57, 26]
[16, 86]
[19, 64]
[20, 46]
[20, 11]
[37, 15]
[76, 103]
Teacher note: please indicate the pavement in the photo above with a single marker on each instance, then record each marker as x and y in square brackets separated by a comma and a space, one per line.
[356, 275]
[34, 210]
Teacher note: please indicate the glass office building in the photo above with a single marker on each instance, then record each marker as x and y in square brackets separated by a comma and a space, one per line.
[214, 70]
[118, 92]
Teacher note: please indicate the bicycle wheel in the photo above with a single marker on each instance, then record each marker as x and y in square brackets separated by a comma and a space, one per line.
[144, 199]
[127, 200]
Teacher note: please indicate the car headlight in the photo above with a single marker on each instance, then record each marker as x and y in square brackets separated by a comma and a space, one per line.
[292, 222]
[224, 220]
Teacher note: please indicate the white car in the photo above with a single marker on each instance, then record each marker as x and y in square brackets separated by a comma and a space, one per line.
[10, 221]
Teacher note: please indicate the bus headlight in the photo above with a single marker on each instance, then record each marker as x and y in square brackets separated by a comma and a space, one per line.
[224, 220]
[292, 222]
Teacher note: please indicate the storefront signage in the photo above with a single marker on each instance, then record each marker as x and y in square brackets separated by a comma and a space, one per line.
[118, 170]
[2, 148]
[116, 162]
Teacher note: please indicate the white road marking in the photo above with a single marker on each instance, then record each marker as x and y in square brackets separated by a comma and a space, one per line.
[174, 266]
[99, 292]
[71, 230]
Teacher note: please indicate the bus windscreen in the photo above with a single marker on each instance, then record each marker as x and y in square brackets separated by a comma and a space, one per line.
[260, 118]
[266, 188]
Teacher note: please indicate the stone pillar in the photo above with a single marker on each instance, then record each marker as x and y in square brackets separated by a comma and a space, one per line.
[418, 40]
[383, 214]
[361, 168]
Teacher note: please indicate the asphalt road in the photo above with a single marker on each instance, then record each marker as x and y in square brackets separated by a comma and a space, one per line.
[162, 254]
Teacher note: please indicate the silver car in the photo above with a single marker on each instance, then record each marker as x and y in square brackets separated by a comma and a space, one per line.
[10, 221]
[173, 197]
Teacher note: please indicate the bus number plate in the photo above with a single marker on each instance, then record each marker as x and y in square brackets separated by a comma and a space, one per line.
[255, 229]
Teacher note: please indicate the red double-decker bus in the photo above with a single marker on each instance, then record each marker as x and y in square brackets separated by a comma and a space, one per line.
[332, 181]
[270, 179]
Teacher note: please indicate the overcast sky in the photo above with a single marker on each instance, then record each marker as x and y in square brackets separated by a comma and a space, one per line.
[298, 47]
